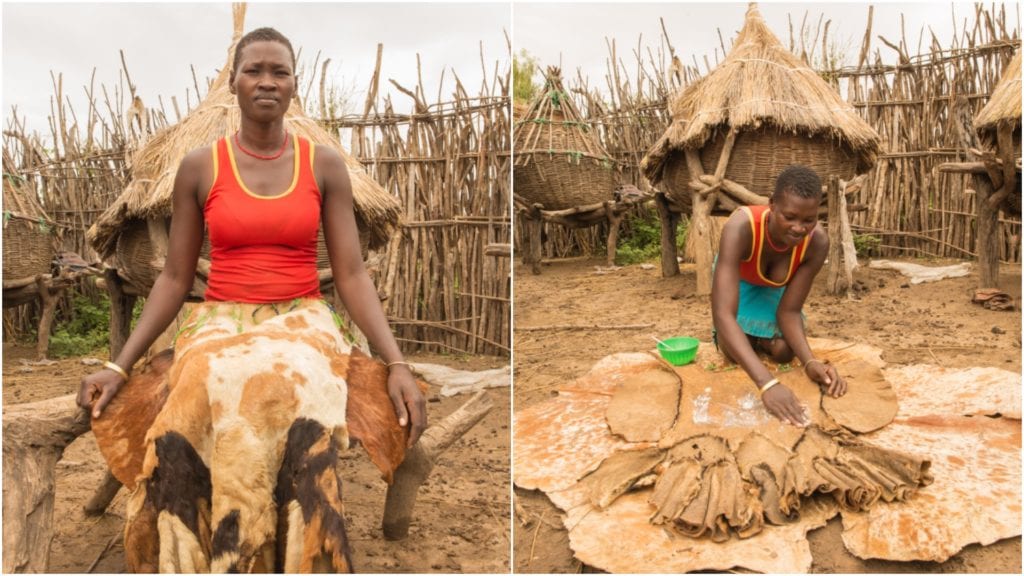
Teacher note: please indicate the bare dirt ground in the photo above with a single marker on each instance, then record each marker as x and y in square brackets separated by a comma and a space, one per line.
[461, 522]
[932, 323]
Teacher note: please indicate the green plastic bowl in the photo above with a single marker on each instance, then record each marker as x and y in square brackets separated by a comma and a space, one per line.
[678, 351]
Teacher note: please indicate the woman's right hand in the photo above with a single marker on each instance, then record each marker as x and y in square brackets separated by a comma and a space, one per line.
[784, 405]
[98, 389]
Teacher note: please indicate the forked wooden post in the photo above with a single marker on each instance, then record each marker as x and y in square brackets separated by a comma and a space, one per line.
[987, 239]
[47, 296]
[837, 283]
[420, 460]
[534, 229]
[35, 436]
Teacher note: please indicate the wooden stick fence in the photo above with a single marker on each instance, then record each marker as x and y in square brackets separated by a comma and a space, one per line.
[922, 107]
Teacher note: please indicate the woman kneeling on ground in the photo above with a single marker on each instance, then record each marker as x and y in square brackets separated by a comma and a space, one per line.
[767, 260]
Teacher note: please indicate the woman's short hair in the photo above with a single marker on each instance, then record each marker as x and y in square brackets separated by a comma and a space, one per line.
[265, 34]
[798, 180]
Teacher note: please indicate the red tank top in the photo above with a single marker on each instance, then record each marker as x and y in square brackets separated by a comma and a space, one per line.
[750, 269]
[262, 248]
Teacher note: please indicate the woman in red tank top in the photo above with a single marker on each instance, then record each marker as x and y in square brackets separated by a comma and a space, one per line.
[263, 193]
[768, 258]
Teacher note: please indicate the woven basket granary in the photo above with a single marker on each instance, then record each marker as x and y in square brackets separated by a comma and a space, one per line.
[756, 160]
[783, 113]
[559, 161]
[30, 237]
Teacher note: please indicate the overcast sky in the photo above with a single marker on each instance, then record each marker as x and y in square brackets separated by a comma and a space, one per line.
[574, 35]
[161, 41]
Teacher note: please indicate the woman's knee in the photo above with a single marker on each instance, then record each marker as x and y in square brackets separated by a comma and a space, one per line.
[779, 350]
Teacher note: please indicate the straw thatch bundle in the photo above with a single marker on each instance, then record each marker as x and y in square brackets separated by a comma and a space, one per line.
[1003, 106]
[783, 113]
[1002, 112]
[30, 239]
[148, 194]
[559, 161]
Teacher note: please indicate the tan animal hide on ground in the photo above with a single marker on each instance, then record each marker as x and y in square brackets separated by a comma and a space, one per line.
[976, 462]
[567, 437]
[562, 440]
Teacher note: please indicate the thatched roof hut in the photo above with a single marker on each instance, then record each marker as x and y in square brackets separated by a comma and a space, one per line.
[559, 160]
[30, 236]
[781, 111]
[148, 194]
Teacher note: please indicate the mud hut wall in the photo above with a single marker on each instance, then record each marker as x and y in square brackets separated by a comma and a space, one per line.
[450, 166]
[922, 108]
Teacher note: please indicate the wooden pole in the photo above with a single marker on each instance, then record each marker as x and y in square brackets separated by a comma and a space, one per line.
[534, 231]
[44, 283]
[420, 460]
[104, 495]
[837, 283]
[987, 246]
[35, 436]
[669, 222]
[121, 304]
[700, 226]
[614, 220]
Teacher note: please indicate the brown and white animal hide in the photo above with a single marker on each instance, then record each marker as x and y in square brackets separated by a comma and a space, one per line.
[239, 472]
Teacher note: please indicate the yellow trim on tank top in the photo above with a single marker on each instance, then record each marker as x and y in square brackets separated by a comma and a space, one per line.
[216, 168]
[753, 241]
[295, 172]
[760, 247]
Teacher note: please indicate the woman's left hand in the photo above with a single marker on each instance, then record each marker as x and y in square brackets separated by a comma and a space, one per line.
[826, 375]
[410, 406]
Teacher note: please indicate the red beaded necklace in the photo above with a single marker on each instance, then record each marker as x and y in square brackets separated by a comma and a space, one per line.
[768, 237]
[284, 145]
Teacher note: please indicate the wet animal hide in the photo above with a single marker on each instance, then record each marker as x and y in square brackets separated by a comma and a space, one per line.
[971, 459]
[567, 437]
[976, 462]
[644, 406]
[869, 403]
[702, 492]
[121, 430]
[618, 473]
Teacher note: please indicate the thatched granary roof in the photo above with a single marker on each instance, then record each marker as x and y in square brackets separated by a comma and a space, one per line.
[760, 83]
[560, 161]
[148, 194]
[20, 200]
[1004, 104]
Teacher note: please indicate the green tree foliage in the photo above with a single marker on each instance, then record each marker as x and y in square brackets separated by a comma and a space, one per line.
[524, 68]
[87, 330]
[641, 238]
